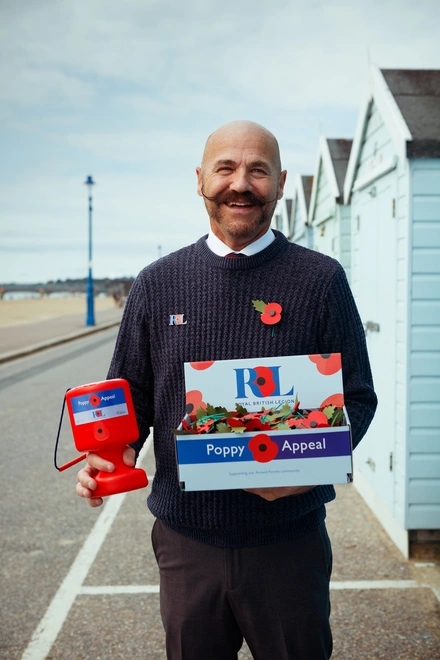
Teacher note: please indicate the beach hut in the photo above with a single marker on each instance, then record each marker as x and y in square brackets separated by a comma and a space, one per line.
[297, 210]
[328, 215]
[393, 187]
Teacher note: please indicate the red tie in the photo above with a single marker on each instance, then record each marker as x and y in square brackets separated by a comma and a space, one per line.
[234, 255]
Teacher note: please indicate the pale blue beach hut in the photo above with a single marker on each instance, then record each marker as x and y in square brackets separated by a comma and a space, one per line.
[297, 211]
[329, 217]
[393, 187]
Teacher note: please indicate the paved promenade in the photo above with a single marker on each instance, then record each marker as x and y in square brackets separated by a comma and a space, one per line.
[26, 338]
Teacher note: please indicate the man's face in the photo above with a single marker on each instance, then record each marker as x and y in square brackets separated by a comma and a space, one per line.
[241, 181]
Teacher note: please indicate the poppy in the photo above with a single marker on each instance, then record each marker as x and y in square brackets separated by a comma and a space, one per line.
[200, 366]
[95, 400]
[263, 448]
[316, 418]
[256, 425]
[264, 380]
[235, 423]
[333, 400]
[272, 313]
[193, 402]
[327, 363]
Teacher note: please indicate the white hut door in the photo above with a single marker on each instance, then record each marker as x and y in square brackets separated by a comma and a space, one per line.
[375, 281]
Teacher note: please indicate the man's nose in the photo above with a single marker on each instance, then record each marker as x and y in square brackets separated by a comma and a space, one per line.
[241, 181]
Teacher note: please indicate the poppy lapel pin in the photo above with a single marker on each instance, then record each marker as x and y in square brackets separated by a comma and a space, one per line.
[270, 312]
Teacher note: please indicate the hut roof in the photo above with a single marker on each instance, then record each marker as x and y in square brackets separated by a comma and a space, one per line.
[307, 182]
[340, 154]
[417, 94]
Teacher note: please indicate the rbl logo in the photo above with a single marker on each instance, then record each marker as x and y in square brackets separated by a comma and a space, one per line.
[177, 319]
[262, 382]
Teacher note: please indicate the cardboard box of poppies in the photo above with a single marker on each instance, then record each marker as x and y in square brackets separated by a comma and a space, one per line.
[264, 422]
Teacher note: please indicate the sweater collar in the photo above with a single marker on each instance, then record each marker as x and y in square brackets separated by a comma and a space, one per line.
[221, 249]
[272, 251]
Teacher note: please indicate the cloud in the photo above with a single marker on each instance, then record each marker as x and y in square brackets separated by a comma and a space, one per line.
[128, 92]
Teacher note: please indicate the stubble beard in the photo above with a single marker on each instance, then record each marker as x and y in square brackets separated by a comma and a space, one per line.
[239, 228]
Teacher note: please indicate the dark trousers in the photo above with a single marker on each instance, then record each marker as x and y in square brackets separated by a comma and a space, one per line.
[275, 596]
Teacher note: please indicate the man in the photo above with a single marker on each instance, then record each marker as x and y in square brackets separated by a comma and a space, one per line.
[233, 564]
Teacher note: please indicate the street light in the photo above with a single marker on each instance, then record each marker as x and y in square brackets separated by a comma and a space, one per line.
[90, 319]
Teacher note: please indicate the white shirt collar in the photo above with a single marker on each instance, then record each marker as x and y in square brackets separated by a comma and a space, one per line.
[221, 249]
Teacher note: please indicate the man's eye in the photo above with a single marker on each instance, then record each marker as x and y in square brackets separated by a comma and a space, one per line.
[257, 170]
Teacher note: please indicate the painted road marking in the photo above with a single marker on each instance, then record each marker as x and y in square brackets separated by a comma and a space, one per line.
[108, 590]
[120, 589]
[50, 625]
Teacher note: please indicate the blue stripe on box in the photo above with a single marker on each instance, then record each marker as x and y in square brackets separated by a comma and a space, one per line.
[222, 448]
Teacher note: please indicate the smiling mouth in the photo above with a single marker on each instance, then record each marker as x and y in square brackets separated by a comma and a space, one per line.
[243, 205]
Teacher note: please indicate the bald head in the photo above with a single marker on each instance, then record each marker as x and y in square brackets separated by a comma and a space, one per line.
[242, 131]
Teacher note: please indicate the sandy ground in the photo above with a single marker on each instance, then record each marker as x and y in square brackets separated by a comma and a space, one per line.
[30, 310]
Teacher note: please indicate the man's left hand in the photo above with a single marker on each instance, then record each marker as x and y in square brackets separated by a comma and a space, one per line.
[271, 494]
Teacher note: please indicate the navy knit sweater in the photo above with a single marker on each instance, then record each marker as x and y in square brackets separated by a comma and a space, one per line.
[215, 295]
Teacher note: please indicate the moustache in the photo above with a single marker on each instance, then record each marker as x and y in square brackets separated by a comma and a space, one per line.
[229, 197]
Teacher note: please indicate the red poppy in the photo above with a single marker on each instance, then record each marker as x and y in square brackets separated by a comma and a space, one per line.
[263, 448]
[316, 418]
[327, 363]
[95, 400]
[265, 381]
[256, 425]
[193, 402]
[200, 366]
[272, 313]
[235, 423]
[333, 400]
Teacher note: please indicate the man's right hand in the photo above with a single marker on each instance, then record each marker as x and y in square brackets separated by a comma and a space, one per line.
[86, 482]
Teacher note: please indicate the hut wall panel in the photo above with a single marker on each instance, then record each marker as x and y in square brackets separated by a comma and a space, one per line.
[426, 234]
[298, 221]
[424, 338]
[425, 466]
[345, 239]
[426, 178]
[425, 389]
[426, 260]
[325, 202]
[425, 312]
[423, 441]
[427, 208]
[424, 415]
[377, 144]
[424, 491]
[425, 516]
[425, 364]
[424, 373]
[426, 287]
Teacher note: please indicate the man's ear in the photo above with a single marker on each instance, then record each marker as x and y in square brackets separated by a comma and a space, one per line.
[199, 181]
[281, 184]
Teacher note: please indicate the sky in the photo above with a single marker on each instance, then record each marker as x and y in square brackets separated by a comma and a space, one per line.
[129, 91]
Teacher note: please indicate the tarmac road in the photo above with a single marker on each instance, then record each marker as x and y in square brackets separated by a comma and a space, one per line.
[80, 584]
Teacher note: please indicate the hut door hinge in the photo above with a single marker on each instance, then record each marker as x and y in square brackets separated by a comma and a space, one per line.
[394, 208]
[371, 326]
[391, 461]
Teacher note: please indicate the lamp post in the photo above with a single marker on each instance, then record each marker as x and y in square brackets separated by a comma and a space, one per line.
[90, 319]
